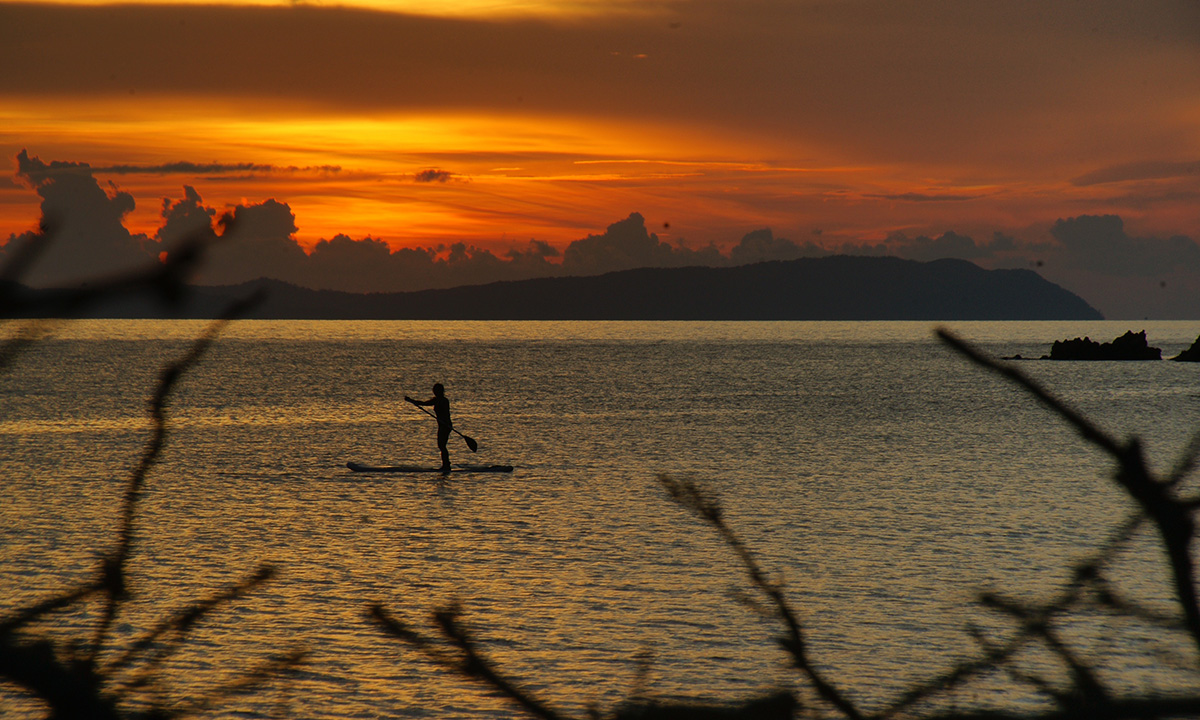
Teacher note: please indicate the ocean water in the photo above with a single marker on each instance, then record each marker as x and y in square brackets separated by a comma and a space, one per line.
[880, 477]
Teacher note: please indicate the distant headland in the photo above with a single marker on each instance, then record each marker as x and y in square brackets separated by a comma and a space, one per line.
[827, 288]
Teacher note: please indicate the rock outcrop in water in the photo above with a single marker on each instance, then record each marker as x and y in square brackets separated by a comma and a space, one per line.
[1192, 354]
[1130, 346]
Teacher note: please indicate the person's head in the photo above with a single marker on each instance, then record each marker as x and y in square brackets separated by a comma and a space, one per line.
[438, 389]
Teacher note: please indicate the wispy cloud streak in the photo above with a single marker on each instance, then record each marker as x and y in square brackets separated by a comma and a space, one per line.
[191, 168]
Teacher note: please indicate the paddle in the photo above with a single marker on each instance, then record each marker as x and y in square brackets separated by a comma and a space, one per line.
[470, 441]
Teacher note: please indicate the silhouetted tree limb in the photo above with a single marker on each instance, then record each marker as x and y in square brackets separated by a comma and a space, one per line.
[1086, 576]
[113, 572]
[72, 679]
[249, 682]
[1079, 694]
[1187, 461]
[1171, 515]
[39, 312]
[42, 310]
[1037, 622]
[458, 652]
[166, 279]
[1135, 708]
[177, 626]
[691, 497]
[463, 657]
[34, 612]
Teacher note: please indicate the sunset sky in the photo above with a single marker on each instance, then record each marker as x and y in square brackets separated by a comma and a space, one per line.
[833, 123]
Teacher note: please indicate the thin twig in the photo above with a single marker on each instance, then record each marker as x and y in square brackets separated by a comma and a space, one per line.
[1187, 461]
[113, 567]
[179, 623]
[468, 661]
[43, 309]
[58, 602]
[249, 682]
[1171, 516]
[688, 495]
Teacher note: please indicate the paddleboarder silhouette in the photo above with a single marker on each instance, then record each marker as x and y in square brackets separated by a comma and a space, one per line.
[441, 410]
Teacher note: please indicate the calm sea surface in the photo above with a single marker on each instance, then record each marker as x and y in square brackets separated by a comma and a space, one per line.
[882, 478]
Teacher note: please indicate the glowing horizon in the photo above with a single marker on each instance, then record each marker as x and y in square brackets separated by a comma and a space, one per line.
[484, 9]
[496, 123]
[493, 178]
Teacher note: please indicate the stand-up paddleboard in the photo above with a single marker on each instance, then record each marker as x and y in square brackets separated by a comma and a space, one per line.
[359, 467]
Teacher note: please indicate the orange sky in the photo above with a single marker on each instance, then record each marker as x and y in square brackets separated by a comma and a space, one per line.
[498, 122]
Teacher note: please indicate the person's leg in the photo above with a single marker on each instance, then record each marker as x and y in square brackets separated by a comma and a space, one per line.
[443, 439]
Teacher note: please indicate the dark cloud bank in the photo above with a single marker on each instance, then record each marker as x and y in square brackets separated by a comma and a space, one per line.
[84, 236]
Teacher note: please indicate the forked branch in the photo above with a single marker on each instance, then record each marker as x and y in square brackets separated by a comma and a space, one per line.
[689, 496]
[1171, 516]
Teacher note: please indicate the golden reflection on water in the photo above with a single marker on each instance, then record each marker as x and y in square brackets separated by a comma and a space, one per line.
[882, 482]
[347, 414]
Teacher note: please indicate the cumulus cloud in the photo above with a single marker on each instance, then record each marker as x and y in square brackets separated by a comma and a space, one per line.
[627, 244]
[1099, 243]
[185, 220]
[343, 263]
[256, 241]
[1002, 243]
[82, 234]
[623, 245]
[947, 245]
[463, 264]
[538, 251]
[762, 245]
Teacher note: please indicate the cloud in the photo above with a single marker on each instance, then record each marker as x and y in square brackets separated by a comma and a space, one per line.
[249, 241]
[190, 168]
[876, 79]
[1151, 170]
[256, 241]
[82, 233]
[1099, 243]
[1002, 243]
[947, 245]
[367, 265]
[762, 245]
[624, 245]
[184, 220]
[534, 260]
[433, 175]
[463, 264]
[83, 230]
[537, 250]
[343, 263]
[925, 197]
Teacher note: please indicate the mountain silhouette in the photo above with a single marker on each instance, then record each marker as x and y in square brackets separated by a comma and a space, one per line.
[828, 288]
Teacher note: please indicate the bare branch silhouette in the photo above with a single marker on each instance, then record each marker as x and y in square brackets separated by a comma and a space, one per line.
[1080, 693]
[691, 497]
[1171, 515]
[73, 680]
[113, 570]
[459, 653]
